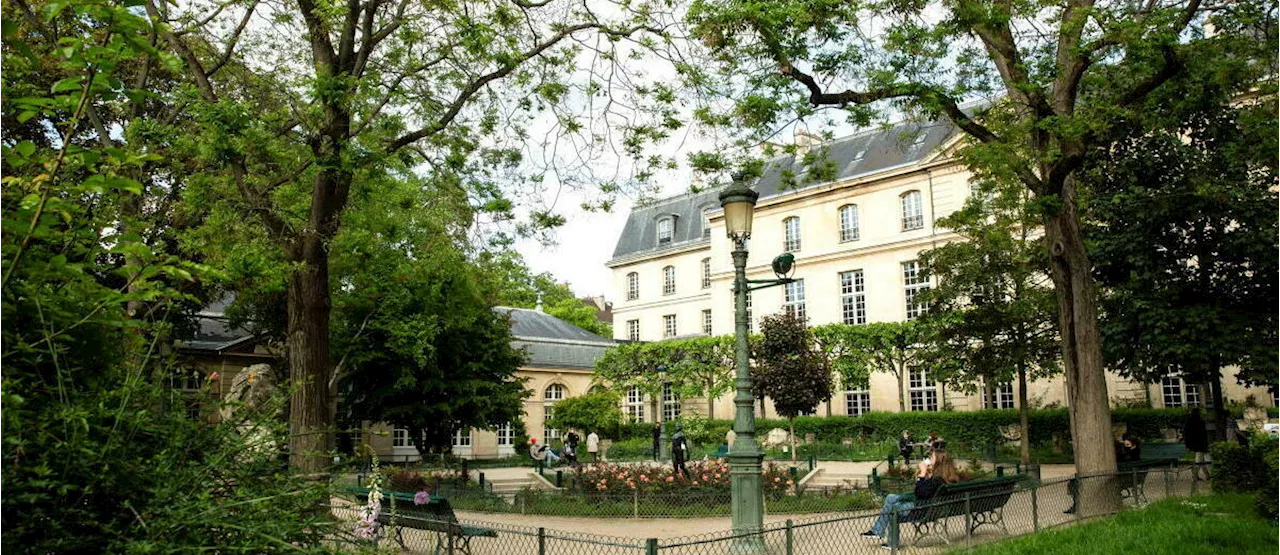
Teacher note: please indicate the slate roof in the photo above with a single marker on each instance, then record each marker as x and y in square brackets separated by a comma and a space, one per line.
[856, 155]
[552, 342]
[214, 331]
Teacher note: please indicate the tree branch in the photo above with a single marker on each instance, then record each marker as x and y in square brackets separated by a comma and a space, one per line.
[235, 38]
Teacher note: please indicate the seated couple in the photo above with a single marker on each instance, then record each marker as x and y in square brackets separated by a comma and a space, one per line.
[932, 472]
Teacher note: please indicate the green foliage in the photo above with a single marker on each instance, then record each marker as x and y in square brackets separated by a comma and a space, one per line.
[788, 369]
[696, 367]
[855, 352]
[514, 284]
[594, 412]
[1245, 468]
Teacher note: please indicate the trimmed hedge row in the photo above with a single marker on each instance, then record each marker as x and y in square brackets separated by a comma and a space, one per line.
[973, 427]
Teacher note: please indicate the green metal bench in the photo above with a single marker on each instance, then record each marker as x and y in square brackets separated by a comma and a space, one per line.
[436, 517]
[722, 452]
[1133, 474]
[979, 501]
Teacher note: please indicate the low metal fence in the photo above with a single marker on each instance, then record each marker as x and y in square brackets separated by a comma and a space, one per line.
[966, 520]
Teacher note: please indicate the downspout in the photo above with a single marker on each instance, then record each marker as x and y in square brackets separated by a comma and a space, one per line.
[933, 244]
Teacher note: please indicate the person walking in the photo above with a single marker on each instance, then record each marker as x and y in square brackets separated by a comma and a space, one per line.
[1197, 440]
[933, 471]
[593, 446]
[679, 452]
[657, 439]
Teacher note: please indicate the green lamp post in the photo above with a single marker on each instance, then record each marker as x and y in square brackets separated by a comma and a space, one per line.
[745, 458]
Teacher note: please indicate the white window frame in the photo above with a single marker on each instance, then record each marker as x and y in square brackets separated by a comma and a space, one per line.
[633, 286]
[706, 321]
[669, 325]
[853, 297]
[1176, 392]
[633, 330]
[913, 285]
[402, 450]
[670, 404]
[793, 299]
[666, 230]
[912, 210]
[668, 280]
[706, 221]
[857, 402]
[791, 234]
[751, 321]
[1003, 397]
[462, 443]
[506, 440]
[635, 405]
[706, 273]
[922, 391]
[849, 223]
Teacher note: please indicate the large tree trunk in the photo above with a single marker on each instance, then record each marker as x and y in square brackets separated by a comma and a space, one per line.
[309, 416]
[1023, 420]
[1219, 405]
[902, 405]
[791, 428]
[1087, 401]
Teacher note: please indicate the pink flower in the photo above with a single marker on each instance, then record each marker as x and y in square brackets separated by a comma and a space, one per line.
[670, 479]
[214, 376]
[421, 498]
[790, 483]
[644, 478]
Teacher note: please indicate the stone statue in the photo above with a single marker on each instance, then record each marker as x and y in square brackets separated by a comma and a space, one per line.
[248, 405]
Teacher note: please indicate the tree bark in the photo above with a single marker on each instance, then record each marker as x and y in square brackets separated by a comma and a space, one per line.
[902, 405]
[791, 428]
[1023, 420]
[1087, 401]
[309, 416]
[1219, 406]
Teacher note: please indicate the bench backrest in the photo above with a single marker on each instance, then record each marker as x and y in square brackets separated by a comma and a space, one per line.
[984, 495]
[1160, 451]
[402, 504]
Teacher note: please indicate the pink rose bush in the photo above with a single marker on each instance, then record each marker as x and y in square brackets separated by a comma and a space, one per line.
[705, 477]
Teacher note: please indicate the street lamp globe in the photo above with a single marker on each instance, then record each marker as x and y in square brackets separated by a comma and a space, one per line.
[739, 202]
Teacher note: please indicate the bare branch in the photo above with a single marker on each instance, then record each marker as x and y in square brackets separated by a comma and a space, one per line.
[233, 39]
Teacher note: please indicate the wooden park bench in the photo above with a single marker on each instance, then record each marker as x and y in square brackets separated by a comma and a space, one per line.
[1133, 474]
[436, 517]
[979, 501]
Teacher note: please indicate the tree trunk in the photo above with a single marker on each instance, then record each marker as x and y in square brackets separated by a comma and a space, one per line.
[1219, 407]
[1023, 420]
[902, 404]
[791, 429]
[1087, 401]
[309, 417]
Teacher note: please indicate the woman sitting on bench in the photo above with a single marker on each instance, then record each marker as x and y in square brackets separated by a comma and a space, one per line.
[931, 474]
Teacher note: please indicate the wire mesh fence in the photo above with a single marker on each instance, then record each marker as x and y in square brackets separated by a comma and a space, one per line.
[985, 511]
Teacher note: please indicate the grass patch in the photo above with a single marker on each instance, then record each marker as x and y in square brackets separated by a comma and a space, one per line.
[1203, 525]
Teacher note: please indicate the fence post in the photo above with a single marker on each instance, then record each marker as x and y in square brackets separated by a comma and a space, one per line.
[521, 502]
[481, 481]
[542, 541]
[999, 472]
[1193, 484]
[449, 534]
[1035, 510]
[635, 503]
[790, 538]
[1166, 484]
[559, 478]
[651, 546]
[968, 518]
[893, 532]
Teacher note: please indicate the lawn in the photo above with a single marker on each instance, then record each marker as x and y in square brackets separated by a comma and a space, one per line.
[1208, 525]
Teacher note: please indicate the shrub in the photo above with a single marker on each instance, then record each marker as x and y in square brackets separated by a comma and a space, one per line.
[1248, 468]
[406, 481]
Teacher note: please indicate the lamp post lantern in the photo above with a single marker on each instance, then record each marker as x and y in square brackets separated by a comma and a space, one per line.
[745, 458]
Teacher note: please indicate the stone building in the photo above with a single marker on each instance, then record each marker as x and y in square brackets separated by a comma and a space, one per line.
[856, 239]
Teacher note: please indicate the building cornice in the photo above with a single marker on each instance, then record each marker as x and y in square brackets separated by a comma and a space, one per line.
[704, 296]
[699, 244]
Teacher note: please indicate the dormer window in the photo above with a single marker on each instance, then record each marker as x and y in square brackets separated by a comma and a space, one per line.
[859, 155]
[706, 221]
[665, 228]
[920, 139]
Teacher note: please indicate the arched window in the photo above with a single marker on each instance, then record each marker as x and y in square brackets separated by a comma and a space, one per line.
[554, 392]
[668, 280]
[666, 227]
[849, 223]
[706, 273]
[791, 241]
[633, 286]
[912, 211]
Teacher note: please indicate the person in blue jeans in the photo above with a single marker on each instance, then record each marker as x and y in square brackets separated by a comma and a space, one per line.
[933, 471]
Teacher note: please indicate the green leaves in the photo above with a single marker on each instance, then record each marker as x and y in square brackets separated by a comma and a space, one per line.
[789, 369]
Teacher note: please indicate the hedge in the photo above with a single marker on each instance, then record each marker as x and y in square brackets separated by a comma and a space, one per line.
[973, 427]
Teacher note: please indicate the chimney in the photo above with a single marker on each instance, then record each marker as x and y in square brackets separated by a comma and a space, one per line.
[805, 140]
[538, 307]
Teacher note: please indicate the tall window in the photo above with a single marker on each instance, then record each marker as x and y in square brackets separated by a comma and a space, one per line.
[668, 280]
[794, 299]
[924, 394]
[633, 330]
[751, 321]
[853, 297]
[1000, 398]
[913, 283]
[506, 435]
[554, 392]
[669, 325]
[706, 273]
[462, 438]
[635, 405]
[665, 227]
[633, 286]
[670, 404]
[857, 402]
[706, 221]
[849, 222]
[912, 211]
[1179, 393]
[791, 227]
[706, 321]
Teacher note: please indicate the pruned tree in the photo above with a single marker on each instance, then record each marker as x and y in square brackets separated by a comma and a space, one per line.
[856, 351]
[789, 369]
[1054, 76]
[991, 317]
[694, 367]
[593, 412]
[298, 100]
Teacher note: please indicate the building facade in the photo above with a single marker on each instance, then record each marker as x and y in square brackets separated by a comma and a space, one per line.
[856, 239]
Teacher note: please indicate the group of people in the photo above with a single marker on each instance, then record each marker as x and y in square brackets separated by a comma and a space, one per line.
[569, 451]
[906, 445]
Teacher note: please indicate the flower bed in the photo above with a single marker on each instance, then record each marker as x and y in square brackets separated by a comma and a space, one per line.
[704, 478]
